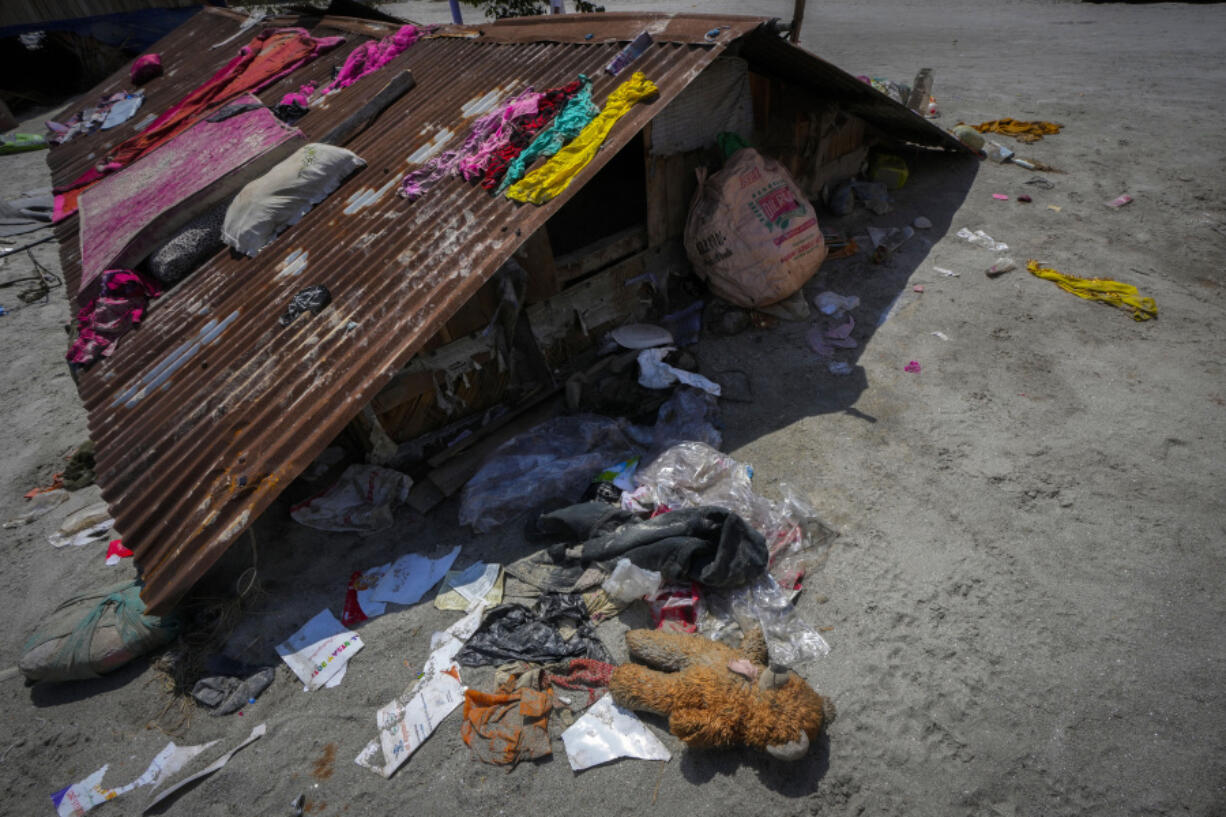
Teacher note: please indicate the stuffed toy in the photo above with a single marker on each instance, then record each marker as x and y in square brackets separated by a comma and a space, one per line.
[715, 696]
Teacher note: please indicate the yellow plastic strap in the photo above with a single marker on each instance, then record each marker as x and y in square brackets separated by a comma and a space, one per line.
[554, 176]
[1122, 296]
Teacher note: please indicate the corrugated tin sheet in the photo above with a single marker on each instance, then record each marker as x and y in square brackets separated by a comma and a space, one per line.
[782, 59]
[30, 12]
[210, 408]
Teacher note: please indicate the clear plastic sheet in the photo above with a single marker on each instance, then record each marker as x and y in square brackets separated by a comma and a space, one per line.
[556, 459]
[628, 582]
[691, 474]
[729, 613]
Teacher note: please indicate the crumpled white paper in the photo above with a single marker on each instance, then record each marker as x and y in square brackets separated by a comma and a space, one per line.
[408, 578]
[606, 732]
[654, 373]
[319, 650]
[406, 721]
[475, 583]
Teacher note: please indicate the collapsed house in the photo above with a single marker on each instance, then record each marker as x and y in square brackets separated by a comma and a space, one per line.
[208, 410]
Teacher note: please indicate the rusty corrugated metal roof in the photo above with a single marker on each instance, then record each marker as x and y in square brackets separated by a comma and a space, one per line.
[210, 408]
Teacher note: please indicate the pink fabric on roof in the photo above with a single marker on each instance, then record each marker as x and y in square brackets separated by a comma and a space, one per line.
[121, 305]
[146, 68]
[300, 97]
[271, 55]
[472, 165]
[371, 56]
[470, 160]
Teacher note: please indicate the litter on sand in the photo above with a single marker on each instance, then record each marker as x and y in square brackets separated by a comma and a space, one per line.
[1117, 294]
[913, 367]
[256, 734]
[607, 732]
[461, 589]
[116, 551]
[80, 797]
[319, 650]
[941, 335]
[406, 721]
[1019, 129]
[360, 500]
[1003, 264]
[656, 374]
[1120, 201]
[948, 273]
[408, 578]
[981, 239]
[403, 581]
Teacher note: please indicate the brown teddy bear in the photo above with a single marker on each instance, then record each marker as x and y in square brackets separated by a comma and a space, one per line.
[715, 696]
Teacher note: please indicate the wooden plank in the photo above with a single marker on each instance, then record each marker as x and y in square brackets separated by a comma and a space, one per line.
[570, 322]
[798, 18]
[602, 253]
[655, 169]
[536, 256]
[404, 386]
[358, 121]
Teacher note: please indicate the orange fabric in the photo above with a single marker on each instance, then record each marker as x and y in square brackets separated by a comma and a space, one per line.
[503, 729]
[57, 482]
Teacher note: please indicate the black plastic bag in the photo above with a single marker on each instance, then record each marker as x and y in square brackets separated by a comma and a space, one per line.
[513, 632]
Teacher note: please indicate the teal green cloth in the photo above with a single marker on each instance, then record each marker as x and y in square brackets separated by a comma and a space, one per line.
[564, 127]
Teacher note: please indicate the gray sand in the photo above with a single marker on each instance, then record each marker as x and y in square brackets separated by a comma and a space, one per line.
[1026, 602]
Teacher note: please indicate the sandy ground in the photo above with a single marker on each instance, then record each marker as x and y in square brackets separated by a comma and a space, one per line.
[1026, 602]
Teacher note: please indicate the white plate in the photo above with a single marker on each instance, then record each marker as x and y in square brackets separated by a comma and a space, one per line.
[641, 336]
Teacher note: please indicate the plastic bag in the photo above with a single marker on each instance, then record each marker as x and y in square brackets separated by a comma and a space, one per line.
[656, 374]
[629, 582]
[981, 239]
[690, 415]
[834, 304]
[361, 500]
[798, 540]
[555, 460]
[690, 474]
[789, 639]
[283, 195]
[37, 506]
[751, 234]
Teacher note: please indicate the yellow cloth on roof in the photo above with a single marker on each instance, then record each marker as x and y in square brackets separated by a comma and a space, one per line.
[554, 176]
[1019, 129]
[1122, 296]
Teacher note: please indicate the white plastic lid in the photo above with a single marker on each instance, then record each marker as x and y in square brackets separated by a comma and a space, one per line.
[641, 336]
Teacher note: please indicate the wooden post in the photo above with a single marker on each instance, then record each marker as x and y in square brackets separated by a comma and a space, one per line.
[798, 17]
